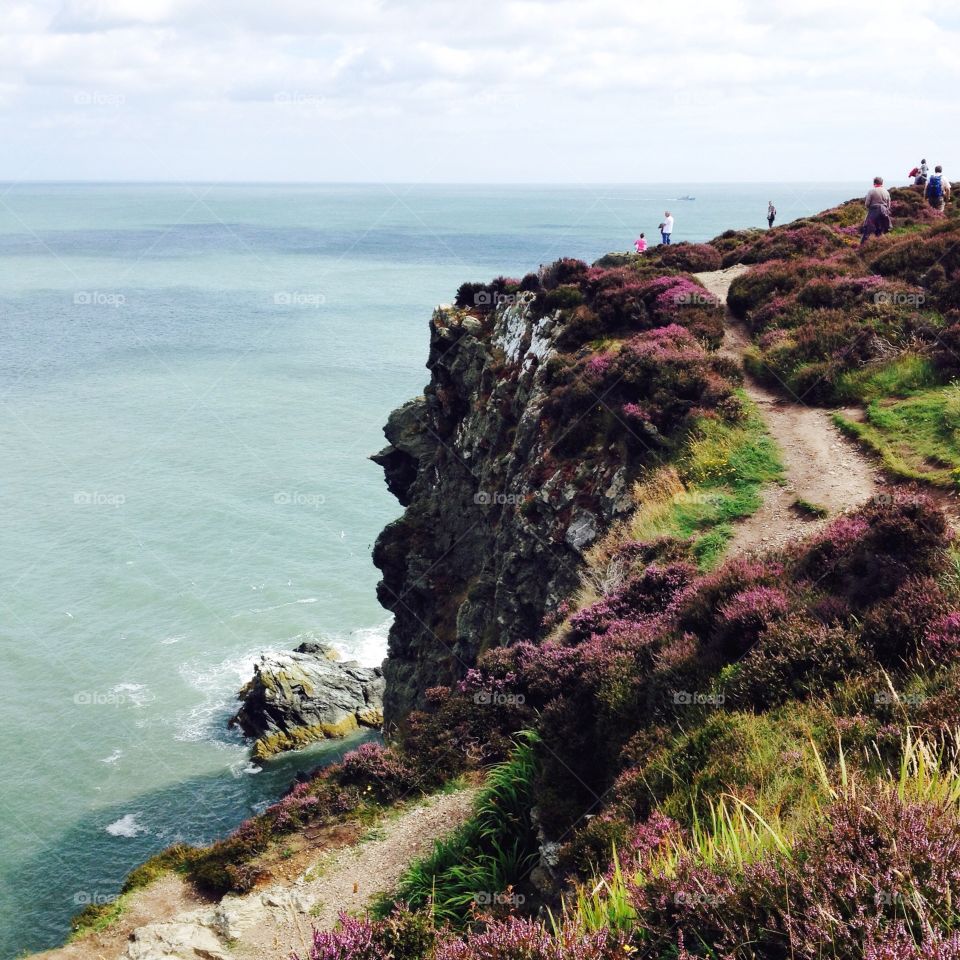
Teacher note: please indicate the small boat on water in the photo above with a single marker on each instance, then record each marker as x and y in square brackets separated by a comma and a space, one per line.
[686, 198]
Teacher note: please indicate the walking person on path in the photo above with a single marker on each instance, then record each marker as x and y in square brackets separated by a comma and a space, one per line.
[938, 189]
[666, 228]
[877, 202]
[771, 214]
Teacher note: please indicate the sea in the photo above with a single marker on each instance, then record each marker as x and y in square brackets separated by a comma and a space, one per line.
[192, 379]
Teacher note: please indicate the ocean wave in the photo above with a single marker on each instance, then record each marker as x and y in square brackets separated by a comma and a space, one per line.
[218, 683]
[136, 693]
[126, 826]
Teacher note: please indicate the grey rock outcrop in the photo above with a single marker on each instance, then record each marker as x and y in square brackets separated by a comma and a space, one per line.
[496, 520]
[306, 695]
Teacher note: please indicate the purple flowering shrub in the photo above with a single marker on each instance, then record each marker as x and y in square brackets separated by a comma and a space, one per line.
[516, 938]
[689, 257]
[379, 771]
[645, 392]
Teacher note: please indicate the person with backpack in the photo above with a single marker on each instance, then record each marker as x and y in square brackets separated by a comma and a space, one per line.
[938, 190]
[877, 202]
[771, 214]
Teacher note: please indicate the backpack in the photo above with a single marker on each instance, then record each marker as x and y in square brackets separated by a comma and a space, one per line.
[935, 187]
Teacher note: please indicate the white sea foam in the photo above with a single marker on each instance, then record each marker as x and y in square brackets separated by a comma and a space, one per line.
[218, 684]
[113, 758]
[136, 693]
[168, 640]
[126, 826]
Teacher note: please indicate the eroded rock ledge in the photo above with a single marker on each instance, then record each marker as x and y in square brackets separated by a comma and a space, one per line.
[307, 695]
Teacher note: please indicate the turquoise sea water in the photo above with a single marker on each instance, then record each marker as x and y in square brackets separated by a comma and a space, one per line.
[192, 378]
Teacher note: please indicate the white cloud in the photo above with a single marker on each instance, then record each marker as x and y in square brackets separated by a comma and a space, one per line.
[396, 89]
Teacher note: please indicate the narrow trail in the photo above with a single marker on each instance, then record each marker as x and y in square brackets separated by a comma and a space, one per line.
[167, 921]
[821, 466]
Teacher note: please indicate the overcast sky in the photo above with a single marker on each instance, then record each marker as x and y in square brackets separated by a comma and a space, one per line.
[477, 90]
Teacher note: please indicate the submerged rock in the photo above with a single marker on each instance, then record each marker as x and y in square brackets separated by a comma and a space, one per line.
[307, 695]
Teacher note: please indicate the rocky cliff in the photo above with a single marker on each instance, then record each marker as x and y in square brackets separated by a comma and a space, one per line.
[496, 519]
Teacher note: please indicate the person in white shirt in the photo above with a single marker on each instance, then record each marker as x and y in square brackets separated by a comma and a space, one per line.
[666, 228]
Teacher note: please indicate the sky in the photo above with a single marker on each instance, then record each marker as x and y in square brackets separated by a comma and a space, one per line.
[569, 91]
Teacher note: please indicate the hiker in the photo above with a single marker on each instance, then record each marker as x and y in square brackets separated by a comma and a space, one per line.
[666, 228]
[771, 214]
[938, 189]
[641, 243]
[922, 174]
[877, 202]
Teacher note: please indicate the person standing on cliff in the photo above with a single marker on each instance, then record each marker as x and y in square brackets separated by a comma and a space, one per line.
[666, 228]
[771, 214]
[877, 202]
[938, 189]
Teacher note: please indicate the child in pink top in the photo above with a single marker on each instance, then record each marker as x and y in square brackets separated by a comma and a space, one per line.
[641, 244]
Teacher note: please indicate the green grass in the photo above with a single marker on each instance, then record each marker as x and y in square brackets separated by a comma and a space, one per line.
[901, 377]
[917, 437]
[722, 472]
[492, 851]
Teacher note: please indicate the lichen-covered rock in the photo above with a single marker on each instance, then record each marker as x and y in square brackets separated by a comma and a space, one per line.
[297, 698]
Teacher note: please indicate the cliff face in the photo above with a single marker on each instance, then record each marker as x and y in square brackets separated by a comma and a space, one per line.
[496, 520]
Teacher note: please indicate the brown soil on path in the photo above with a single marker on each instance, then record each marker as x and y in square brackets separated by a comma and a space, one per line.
[167, 919]
[348, 880]
[822, 467]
